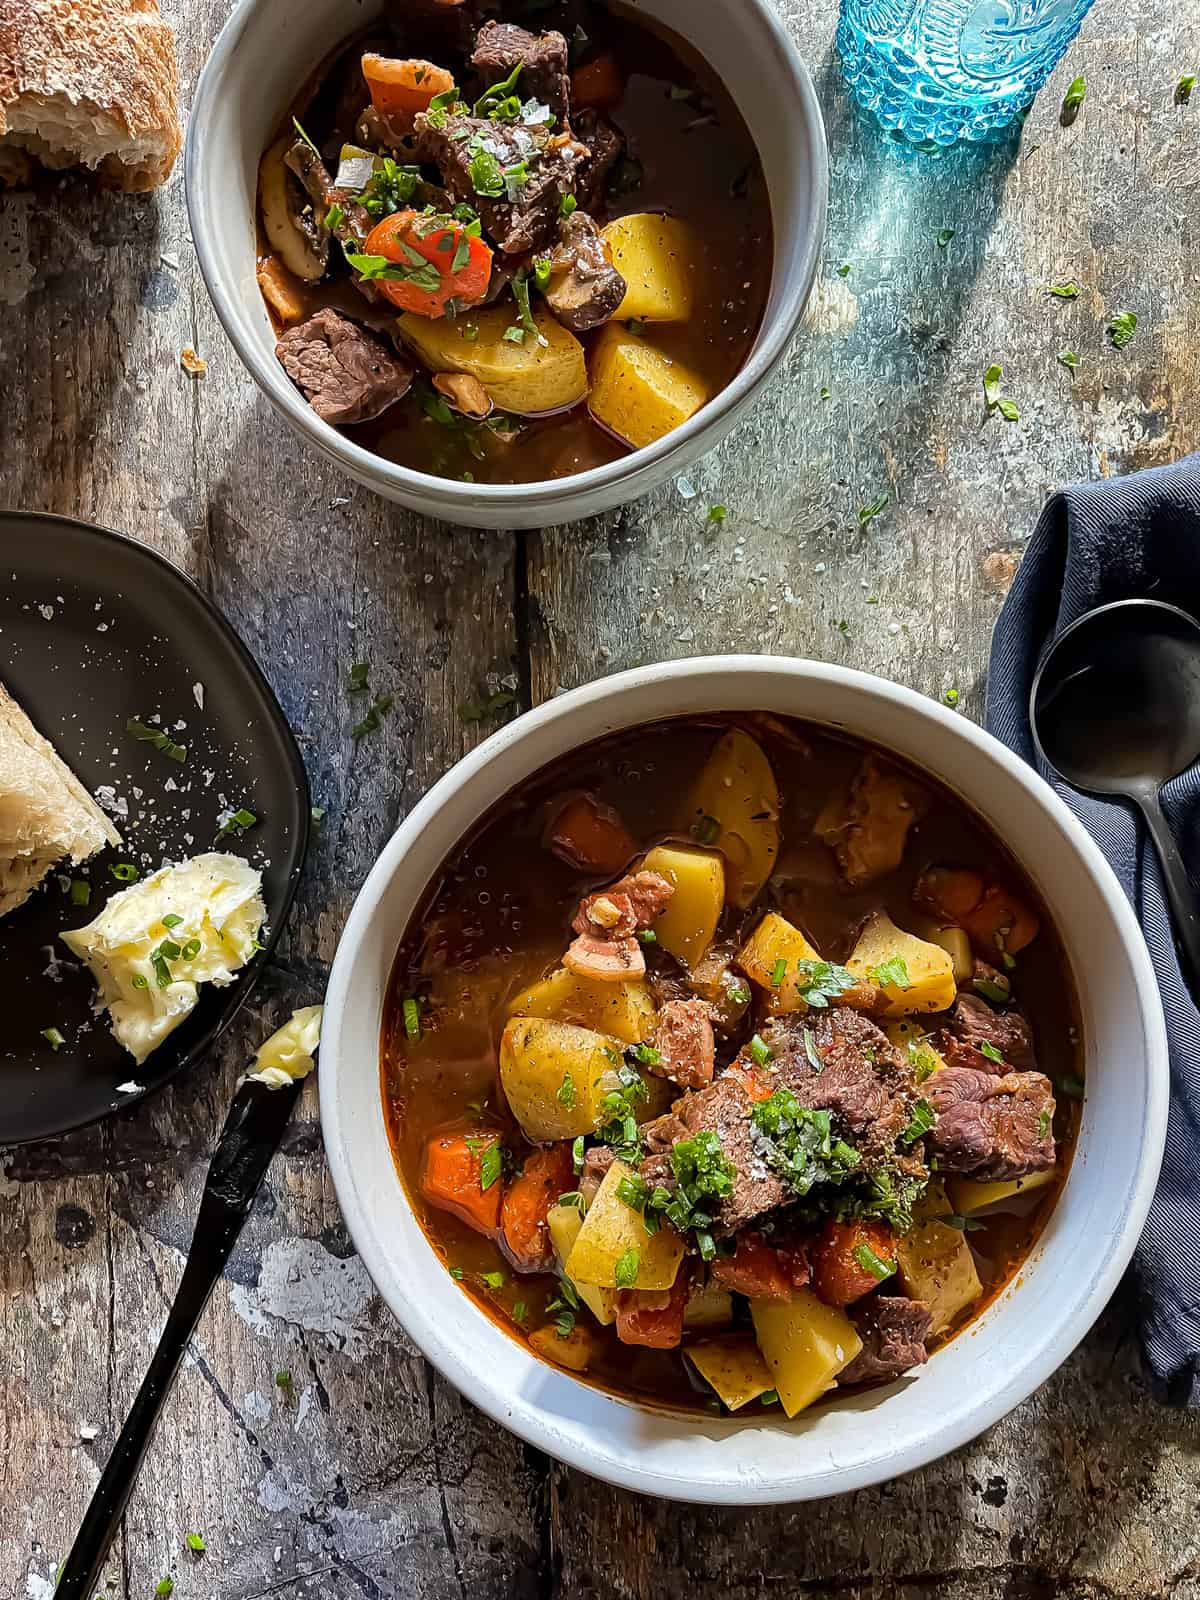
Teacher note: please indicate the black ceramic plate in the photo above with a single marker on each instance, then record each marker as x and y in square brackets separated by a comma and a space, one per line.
[96, 629]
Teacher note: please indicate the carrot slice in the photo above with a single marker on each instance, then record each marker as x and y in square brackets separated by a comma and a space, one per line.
[843, 1259]
[454, 1177]
[949, 892]
[438, 261]
[597, 83]
[403, 87]
[1001, 923]
[590, 836]
[527, 1201]
[647, 1317]
[755, 1270]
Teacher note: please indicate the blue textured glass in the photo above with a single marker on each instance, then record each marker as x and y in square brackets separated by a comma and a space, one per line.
[936, 71]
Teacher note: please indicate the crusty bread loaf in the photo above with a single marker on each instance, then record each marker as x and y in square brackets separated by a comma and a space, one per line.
[46, 814]
[92, 83]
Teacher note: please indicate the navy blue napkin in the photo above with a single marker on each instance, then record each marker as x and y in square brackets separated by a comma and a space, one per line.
[1098, 542]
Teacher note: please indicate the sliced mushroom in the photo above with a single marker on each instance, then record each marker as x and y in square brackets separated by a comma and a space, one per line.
[464, 393]
[288, 219]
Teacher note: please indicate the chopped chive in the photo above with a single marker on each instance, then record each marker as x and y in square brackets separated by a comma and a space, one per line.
[53, 1038]
[412, 1018]
[760, 1050]
[125, 872]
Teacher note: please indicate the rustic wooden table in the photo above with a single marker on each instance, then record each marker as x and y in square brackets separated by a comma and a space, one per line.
[369, 1477]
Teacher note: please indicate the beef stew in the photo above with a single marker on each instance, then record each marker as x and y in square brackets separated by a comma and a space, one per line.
[505, 255]
[731, 1062]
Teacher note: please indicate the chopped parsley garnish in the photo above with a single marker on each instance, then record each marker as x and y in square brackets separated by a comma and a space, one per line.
[457, 1274]
[565, 1304]
[706, 830]
[373, 720]
[161, 740]
[490, 708]
[1043, 1124]
[631, 1191]
[870, 1262]
[876, 508]
[618, 1125]
[760, 1050]
[922, 1060]
[769, 1397]
[777, 972]
[996, 401]
[1183, 89]
[1071, 1086]
[518, 1311]
[497, 94]
[486, 174]
[740, 995]
[826, 392]
[717, 513]
[893, 972]
[237, 822]
[125, 872]
[565, 1093]
[513, 334]
[566, 205]
[648, 1055]
[571, 1198]
[1073, 99]
[988, 1049]
[951, 697]
[626, 1270]
[810, 1050]
[647, 936]
[844, 270]
[1122, 328]
[944, 237]
[195, 1541]
[284, 1378]
[389, 189]
[357, 677]
[370, 268]
[1065, 291]
[491, 1165]
[165, 1586]
[919, 1123]
[996, 989]
[800, 1144]
[53, 1038]
[577, 1153]
[492, 1280]
[963, 1224]
[334, 217]
[412, 1017]
[520, 289]
[81, 891]
[819, 982]
[1069, 359]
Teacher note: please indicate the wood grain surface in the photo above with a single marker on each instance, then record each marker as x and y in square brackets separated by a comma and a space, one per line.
[367, 1476]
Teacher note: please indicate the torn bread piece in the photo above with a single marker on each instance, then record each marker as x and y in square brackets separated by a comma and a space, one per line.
[156, 942]
[46, 814]
[90, 83]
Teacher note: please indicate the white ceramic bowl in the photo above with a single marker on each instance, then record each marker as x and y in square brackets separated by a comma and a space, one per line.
[1021, 1337]
[266, 51]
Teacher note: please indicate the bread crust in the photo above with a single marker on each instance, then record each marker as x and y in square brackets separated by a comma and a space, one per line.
[91, 81]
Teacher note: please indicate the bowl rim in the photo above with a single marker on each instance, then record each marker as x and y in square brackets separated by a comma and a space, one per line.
[513, 1410]
[445, 494]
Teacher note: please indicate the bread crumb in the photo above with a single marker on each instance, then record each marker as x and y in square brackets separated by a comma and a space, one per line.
[195, 366]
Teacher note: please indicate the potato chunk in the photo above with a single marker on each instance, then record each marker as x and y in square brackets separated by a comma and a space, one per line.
[913, 1039]
[936, 1265]
[688, 924]
[734, 1367]
[527, 378]
[637, 392]
[773, 941]
[970, 1196]
[656, 256]
[805, 1343]
[623, 1010]
[574, 1352]
[564, 1223]
[613, 1233]
[737, 791]
[551, 1074]
[925, 982]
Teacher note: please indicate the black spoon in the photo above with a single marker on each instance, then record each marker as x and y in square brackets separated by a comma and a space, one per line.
[251, 1135]
[1115, 710]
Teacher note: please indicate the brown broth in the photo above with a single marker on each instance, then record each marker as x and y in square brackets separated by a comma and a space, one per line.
[496, 920]
[699, 163]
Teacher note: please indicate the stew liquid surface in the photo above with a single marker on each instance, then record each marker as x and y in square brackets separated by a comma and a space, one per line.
[498, 918]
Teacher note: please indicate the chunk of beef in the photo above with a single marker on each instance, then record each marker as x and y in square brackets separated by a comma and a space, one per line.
[868, 833]
[585, 288]
[542, 58]
[989, 1127]
[973, 1024]
[595, 1166]
[685, 1044]
[722, 1108]
[893, 1331]
[541, 169]
[346, 373]
[605, 145]
[865, 1081]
